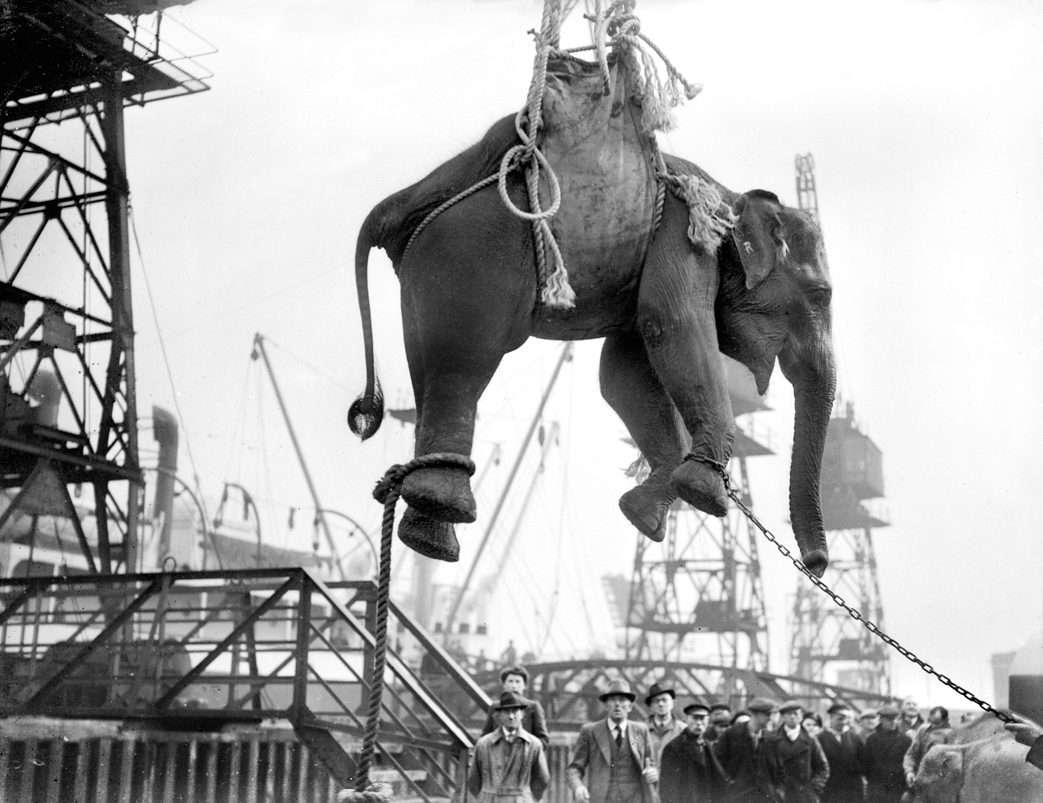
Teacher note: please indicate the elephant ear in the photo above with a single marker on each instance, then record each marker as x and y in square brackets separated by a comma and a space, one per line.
[758, 234]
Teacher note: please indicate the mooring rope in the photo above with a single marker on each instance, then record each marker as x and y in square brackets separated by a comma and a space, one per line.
[387, 492]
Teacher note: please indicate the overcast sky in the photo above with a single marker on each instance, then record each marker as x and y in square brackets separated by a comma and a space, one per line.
[925, 119]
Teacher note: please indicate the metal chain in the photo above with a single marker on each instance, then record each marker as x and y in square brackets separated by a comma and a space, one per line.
[854, 614]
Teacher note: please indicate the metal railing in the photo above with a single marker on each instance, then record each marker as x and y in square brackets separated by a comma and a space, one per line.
[232, 646]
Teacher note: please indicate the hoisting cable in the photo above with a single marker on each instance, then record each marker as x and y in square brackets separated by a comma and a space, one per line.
[387, 492]
[1003, 716]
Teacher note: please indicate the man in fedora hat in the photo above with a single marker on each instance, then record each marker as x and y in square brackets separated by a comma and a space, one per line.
[663, 727]
[845, 752]
[741, 751]
[689, 772]
[509, 764]
[798, 765]
[515, 678]
[613, 761]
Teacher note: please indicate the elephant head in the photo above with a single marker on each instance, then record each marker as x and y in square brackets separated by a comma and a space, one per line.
[774, 303]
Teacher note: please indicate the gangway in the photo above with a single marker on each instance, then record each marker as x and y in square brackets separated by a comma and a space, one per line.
[205, 651]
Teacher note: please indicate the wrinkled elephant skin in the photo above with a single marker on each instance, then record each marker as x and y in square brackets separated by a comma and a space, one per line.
[470, 294]
[989, 770]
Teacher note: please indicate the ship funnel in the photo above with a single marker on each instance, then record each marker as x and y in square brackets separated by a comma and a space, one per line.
[164, 430]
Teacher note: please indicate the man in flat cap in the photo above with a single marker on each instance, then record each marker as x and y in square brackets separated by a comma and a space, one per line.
[509, 764]
[663, 727]
[868, 721]
[689, 771]
[740, 749]
[720, 721]
[845, 752]
[884, 752]
[796, 759]
[515, 678]
[613, 761]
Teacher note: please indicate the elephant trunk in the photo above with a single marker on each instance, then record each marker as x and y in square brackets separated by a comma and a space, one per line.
[813, 394]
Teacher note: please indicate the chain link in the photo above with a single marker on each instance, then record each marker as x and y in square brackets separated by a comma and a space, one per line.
[854, 614]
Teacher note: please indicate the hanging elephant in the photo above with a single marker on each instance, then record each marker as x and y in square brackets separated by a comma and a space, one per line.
[714, 272]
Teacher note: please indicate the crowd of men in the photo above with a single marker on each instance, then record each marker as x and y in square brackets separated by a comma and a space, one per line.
[765, 753]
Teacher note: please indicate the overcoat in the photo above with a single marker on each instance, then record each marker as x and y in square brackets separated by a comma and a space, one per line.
[845, 753]
[689, 772]
[800, 767]
[744, 763]
[591, 763]
[885, 776]
[534, 720]
[501, 775]
[662, 739]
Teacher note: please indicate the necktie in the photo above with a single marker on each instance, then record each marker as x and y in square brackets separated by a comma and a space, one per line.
[619, 737]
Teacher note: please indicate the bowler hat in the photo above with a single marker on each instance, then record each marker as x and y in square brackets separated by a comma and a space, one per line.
[762, 705]
[618, 688]
[696, 707]
[790, 705]
[510, 699]
[516, 669]
[656, 690]
[889, 712]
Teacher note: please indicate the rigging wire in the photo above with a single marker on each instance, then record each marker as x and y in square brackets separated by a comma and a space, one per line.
[166, 362]
[308, 365]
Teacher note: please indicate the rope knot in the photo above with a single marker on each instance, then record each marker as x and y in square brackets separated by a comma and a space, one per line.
[393, 477]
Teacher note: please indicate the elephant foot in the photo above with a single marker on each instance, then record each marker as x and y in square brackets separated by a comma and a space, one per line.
[647, 504]
[441, 493]
[428, 537]
[701, 486]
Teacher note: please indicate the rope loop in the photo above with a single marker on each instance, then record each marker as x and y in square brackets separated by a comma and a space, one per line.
[393, 477]
[510, 162]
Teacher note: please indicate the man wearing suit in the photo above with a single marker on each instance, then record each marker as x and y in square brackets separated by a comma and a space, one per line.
[515, 679]
[614, 760]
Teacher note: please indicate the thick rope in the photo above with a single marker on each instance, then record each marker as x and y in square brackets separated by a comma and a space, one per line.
[387, 492]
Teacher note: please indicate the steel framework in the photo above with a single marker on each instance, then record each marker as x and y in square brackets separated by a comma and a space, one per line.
[67, 394]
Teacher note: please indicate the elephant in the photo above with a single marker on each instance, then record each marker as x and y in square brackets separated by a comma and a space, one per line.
[666, 304]
[978, 770]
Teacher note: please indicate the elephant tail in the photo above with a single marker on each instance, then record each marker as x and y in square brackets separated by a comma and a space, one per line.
[367, 411]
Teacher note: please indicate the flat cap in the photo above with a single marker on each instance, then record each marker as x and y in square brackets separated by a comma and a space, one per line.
[696, 708]
[889, 711]
[836, 708]
[869, 712]
[790, 705]
[762, 705]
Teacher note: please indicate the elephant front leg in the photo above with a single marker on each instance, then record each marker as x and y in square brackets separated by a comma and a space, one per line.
[677, 323]
[634, 392]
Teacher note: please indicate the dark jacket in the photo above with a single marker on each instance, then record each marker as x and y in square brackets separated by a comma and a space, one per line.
[689, 772]
[885, 776]
[533, 720]
[845, 753]
[800, 767]
[743, 762]
[1035, 756]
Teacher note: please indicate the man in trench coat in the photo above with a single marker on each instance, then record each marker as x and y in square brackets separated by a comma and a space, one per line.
[689, 772]
[799, 765]
[509, 764]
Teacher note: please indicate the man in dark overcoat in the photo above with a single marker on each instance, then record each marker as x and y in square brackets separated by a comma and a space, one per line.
[614, 761]
[689, 772]
[515, 678]
[800, 766]
[844, 751]
[884, 752]
[740, 750]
